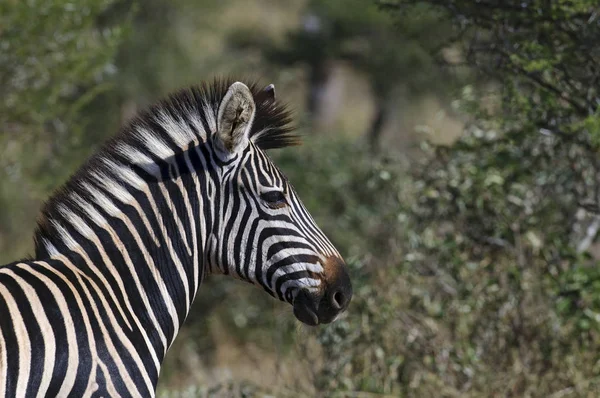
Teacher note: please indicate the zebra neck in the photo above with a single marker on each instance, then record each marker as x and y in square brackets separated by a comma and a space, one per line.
[141, 238]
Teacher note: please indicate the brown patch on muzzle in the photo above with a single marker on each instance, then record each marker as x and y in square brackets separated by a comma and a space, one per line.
[337, 288]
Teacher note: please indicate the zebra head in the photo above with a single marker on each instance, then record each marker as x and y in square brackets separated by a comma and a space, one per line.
[264, 234]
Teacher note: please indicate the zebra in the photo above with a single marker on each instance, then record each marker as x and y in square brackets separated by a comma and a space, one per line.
[184, 190]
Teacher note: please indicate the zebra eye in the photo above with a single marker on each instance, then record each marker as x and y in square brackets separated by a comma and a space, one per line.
[274, 199]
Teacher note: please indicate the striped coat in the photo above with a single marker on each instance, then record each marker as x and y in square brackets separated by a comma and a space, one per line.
[184, 190]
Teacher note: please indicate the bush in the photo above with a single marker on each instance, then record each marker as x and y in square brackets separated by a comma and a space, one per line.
[56, 58]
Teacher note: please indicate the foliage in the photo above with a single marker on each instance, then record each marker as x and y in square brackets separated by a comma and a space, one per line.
[56, 58]
[497, 293]
[48, 64]
[441, 307]
[453, 311]
[361, 37]
[544, 57]
[519, 183]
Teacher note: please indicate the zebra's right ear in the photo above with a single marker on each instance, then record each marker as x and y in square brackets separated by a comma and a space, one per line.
[235, 117]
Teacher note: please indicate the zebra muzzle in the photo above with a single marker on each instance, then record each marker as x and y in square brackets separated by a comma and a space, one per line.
[305, 309]
[325, 306]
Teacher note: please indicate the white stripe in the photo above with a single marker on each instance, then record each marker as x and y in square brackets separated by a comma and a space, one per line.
[190, 212]
[101, 222]
[138, 158]
[126, 174]
[154, 143]
[46, 330]
[274, 239]
[111, 316]
[172, 252]
[121, 369]
[23, 342]
[124, 197]
[170, 202]
[112, 186]
[210, 117]
[52, 251]
[3, 362]
[70, 329]
[87, 232]
[309, 284]
[110, 387]
[65, 236]
[196, 121]
[102, 200]
[288, 269]
[181, 135]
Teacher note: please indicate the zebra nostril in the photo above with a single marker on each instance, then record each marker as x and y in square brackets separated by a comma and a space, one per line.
[337, 292]
[338, 300]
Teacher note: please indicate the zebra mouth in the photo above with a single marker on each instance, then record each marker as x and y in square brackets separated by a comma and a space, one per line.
[303, 309]
[318, 308]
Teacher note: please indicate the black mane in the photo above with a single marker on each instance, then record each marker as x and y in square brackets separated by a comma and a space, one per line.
[271, 129]
[272, 122]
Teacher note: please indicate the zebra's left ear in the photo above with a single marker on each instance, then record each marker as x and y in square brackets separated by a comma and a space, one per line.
[235, 116]
[267, 95]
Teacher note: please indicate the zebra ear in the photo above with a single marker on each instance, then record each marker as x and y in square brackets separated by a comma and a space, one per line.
[267, 95]
[235, 116]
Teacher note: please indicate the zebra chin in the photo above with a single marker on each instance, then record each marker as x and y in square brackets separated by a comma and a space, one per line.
[324, 306]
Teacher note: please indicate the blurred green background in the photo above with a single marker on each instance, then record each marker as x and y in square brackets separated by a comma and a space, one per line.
[450, 152]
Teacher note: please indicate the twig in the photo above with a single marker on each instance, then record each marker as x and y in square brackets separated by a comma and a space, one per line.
[590, 234]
